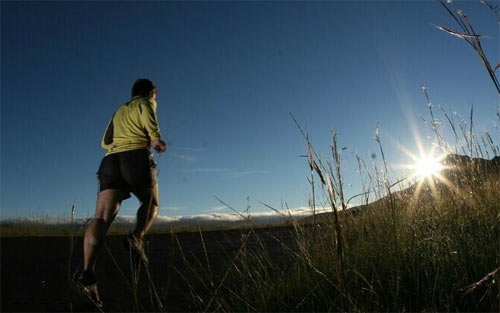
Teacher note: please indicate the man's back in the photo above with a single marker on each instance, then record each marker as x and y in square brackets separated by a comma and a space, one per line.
[133, 126]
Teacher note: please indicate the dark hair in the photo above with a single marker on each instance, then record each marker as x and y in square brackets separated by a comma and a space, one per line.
[143, 87]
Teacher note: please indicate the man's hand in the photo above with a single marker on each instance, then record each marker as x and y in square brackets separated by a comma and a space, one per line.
[159, 145]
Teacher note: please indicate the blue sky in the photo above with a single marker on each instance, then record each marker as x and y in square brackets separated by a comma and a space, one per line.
[228, 74]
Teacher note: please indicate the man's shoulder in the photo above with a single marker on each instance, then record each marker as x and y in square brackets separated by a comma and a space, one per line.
[141, 101]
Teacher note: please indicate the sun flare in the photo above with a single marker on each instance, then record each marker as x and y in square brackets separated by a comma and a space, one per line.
[427, 167]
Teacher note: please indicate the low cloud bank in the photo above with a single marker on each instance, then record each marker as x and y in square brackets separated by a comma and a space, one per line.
[202, 220]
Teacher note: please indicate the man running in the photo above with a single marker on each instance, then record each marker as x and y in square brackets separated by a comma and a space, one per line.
[127, 168]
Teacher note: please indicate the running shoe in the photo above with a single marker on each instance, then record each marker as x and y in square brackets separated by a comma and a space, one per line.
[89, 292]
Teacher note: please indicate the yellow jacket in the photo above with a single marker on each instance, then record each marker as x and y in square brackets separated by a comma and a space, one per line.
[133, 126]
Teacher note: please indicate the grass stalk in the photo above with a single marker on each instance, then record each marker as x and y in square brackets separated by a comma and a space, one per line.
[472, 38]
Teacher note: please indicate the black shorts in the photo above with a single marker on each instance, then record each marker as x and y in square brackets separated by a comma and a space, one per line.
[128, 171]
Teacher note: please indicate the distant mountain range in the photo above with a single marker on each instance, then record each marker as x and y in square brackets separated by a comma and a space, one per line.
[123, 224]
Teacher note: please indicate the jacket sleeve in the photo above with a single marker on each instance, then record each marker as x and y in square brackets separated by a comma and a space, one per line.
[150, 121]
[107, 137]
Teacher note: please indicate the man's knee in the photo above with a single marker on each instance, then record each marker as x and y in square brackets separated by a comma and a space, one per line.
[149, 197]
[108, 204]
[150, 201]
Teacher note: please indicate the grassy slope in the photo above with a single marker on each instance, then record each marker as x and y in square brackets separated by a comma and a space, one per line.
[442, 246]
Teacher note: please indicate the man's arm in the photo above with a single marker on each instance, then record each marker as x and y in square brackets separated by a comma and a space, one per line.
[150, 122]
[107, 137]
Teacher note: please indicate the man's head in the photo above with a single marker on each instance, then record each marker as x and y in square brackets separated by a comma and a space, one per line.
[144, 87]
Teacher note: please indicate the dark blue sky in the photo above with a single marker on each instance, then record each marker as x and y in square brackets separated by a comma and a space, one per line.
[228, 74]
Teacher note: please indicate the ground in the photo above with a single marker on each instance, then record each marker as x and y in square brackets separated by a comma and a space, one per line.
[35, 271]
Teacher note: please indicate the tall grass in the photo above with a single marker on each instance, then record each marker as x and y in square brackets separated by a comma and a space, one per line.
[442, 256]
[473, 39]
[438, 251]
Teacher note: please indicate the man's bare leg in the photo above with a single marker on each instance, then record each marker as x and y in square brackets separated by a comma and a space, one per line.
[108, 204]
[148, 211]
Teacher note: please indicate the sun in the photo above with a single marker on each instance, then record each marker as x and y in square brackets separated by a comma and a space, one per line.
[427, 167]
